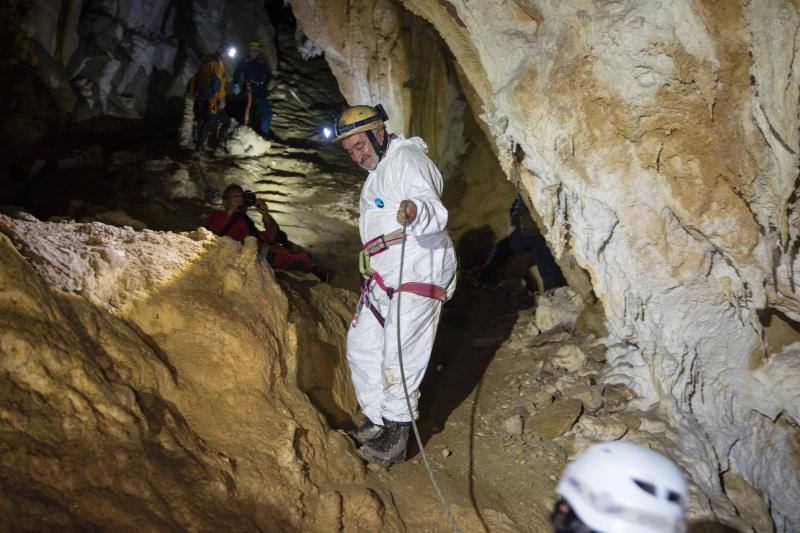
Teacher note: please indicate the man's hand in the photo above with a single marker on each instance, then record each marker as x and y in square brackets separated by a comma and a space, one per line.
[262, 207]
[236, 89]
[407, 212]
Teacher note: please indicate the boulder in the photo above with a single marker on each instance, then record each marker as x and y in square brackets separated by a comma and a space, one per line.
[555, 419]
[591, 396]
[569, 357]
[602, 429]
[245, 142]
[559, 308]
[165, 369]
[749, 503]
[514, 425]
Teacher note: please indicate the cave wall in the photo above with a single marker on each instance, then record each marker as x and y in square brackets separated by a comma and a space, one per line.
[477, 192]
[122, 59]
[659, 143]
[366, 68]
[33, 82]
[391, 56]
[157, 381]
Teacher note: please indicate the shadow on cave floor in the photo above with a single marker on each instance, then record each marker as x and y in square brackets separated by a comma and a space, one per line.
[457, 406]
[474, 324]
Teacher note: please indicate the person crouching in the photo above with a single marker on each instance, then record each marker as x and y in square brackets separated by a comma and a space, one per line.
[232, 221]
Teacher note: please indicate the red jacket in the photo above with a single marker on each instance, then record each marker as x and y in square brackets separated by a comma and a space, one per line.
[241, 227]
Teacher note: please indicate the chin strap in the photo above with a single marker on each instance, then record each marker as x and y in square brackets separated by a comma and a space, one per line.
[380, 148]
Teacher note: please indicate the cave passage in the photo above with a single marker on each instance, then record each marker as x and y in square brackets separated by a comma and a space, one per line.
[131, 172]
[141, 354]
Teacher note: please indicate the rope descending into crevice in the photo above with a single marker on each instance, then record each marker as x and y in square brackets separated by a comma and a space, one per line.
[439, 493]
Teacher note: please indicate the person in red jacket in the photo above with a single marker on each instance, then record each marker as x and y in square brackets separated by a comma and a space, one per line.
[232, 221]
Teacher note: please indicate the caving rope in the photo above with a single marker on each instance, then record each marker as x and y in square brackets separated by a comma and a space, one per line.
[422, 453]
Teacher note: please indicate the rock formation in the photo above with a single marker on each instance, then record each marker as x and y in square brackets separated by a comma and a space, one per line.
[658, 142]
[124, 59]
[155, 381]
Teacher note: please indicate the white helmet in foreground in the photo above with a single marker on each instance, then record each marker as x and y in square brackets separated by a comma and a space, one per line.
[619, 487]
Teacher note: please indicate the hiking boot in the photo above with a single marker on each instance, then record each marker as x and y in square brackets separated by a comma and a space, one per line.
[365, 432]
[389, 447]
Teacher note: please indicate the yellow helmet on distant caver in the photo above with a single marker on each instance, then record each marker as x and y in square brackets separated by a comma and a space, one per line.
[254, 45]
[358, 118]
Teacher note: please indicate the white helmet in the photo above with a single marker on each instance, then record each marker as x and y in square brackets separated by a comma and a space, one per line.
[619, 487]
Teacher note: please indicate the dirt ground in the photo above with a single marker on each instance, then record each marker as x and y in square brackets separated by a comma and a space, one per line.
[504, 408]
[490, 480]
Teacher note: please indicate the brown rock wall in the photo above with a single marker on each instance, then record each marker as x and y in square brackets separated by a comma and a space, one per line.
[179, 408]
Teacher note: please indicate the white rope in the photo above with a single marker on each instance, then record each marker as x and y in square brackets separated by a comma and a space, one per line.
[436, 487]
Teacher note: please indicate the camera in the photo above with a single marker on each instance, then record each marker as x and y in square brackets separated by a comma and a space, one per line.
[249, 198]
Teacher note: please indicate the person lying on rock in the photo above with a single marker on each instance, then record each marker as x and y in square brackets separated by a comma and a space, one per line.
[523, 236]
[208, 88]
[617, 487]
[232, 221]
[401, 193]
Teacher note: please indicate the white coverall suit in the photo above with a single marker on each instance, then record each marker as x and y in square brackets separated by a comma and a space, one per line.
[404, 173]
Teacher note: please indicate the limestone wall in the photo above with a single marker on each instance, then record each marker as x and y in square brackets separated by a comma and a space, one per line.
[659, 143]
[154, 381]
[382, 53]
[123, 59]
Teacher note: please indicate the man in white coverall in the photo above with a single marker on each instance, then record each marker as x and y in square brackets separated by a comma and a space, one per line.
[403, 186]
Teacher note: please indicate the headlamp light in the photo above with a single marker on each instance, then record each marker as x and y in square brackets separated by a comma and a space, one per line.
[231, 52]
[327, 132]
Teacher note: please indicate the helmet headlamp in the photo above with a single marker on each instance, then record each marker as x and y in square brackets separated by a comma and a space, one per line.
[340, 129]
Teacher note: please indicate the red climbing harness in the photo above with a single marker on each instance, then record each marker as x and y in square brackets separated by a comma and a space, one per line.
[379, 245]
[427, 290]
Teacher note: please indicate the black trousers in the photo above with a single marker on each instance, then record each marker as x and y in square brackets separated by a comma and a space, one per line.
[516, 242]
[208, 120]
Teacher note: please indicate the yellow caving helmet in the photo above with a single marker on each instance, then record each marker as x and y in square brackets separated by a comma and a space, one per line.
[254, 45]
[358, 118]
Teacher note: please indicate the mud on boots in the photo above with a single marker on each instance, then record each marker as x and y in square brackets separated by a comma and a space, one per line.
[365, 432]
[389, 446]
